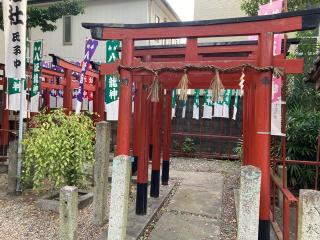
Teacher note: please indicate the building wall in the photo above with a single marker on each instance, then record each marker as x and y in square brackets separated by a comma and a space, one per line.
[158, 12]
[218, 9]
[96, 11]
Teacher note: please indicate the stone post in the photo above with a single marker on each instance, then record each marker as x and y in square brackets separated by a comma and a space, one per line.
[249, 203]
[68, 213]
[118, 215]
[12, 166]
[100, 190]
[309, 215]
[281, 177]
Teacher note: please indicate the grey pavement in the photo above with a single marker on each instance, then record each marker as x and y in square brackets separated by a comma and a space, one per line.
[194, 211]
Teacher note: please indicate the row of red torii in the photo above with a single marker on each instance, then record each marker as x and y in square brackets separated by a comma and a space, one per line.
[135, 66]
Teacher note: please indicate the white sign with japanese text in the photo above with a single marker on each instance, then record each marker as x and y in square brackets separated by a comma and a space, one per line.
[15, 19]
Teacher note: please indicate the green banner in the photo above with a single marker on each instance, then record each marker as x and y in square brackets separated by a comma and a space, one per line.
[207, 98]
[36, 70]
[112, 89]
[196, 97]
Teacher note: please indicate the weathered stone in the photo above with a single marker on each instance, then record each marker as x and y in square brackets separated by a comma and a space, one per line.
[309, 215]
[68, 213]
[101, 172]
[12, 167]
[49, 202]
[118, 216]
[249, 203]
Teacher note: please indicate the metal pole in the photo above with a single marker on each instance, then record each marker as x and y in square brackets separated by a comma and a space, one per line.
[19, 166]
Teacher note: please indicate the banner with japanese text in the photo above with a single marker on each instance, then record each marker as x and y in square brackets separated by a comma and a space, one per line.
[226, 102]
[174, 103]
[91, 46]
[184, 109]
[196, 104]
[14, 23]
[112, 91]
[36, 77]
[14, 94]
[235, 105]
[275, 7]
[218, 106]
[208, 104]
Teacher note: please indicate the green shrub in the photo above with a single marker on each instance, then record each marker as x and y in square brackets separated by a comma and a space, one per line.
[57, 148]
[302, 132]
[239, 149]
[188, 146]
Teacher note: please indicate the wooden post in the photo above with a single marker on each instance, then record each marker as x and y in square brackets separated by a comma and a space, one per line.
[67, 92]
[5, 117]
[167, 139]
[136, 122]
[262, 130]
[125, 101]
[156, 140]
[142, 179]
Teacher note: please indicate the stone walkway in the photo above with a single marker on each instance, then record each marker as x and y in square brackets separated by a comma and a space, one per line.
[194, 211]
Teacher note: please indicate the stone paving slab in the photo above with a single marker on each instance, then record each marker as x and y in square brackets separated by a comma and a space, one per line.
[185, 227]
[195, 209]
[197, 201]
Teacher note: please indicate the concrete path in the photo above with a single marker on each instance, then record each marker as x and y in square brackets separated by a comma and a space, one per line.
[195, 210]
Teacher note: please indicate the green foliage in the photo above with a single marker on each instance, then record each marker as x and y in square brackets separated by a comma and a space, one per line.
[46, 17]
[57, 149]
[239, 149]
[251, 7]
[188, 146]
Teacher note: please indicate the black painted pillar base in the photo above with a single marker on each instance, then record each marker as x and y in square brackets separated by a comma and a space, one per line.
[155, 183]
[264, 230]
[142, 197]
[134, 166]
[165, 172]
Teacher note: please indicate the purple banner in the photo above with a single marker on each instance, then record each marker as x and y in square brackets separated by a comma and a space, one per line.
[91, 47]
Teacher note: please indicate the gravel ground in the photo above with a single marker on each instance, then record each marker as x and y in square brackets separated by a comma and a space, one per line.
[20, 219]
[230, 171]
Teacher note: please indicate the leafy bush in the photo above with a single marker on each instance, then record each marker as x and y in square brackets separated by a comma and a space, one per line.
[239, 149]
[302, 132]
[188, 146]
[56, 149]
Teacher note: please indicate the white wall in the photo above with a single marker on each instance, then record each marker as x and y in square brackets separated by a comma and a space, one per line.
[218, 9]
[96, 11]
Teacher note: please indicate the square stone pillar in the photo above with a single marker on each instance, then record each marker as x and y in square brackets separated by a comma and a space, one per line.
[12, 167]
[309, 215]
[249, 203]
[118, 216]
[101, 168]
[68, 213]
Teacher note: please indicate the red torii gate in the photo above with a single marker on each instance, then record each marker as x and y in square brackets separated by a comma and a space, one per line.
[257, 98]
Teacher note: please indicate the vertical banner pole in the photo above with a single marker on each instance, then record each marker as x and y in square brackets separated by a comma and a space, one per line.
[20, 137]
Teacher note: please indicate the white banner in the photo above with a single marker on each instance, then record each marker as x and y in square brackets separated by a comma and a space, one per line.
[207, 106]
[14, 18]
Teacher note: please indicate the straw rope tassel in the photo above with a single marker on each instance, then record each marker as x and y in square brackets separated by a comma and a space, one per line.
[241, 83]
[154, 89]
[216, 86]
[183, 86]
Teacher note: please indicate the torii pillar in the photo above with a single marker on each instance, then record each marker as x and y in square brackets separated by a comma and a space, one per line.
[166, 139]
[125, 102]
